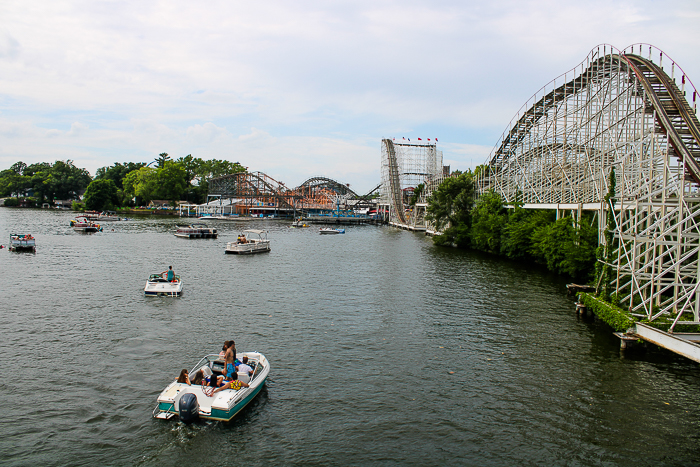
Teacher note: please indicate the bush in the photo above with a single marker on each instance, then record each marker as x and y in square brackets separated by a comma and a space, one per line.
[78, 206]
[11, 202]
[615, 317]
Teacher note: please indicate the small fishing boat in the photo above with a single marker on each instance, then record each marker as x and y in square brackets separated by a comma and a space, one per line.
[299, 223]
[190, 402]
[249, 241]
[197, 230]
[329, 231]
[84, 225]
[22, 242]
[159, 286]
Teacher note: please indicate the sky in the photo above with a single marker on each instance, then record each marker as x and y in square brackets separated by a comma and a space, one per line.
[297, 89]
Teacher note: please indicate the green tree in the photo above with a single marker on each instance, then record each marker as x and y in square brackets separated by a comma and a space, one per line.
[566, 247]
[117, 172]
[417, 192]
[171, 181]
[101, 195]
[65, 181]
[449, 208]
[489, 218]
[141, 184]
[516, 238]
[161, 159]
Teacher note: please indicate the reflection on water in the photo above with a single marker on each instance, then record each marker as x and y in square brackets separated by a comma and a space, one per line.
[384, 350]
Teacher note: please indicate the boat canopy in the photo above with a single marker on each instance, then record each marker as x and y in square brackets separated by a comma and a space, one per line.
[255, 231]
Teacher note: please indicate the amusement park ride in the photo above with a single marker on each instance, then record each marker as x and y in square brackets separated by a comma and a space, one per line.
[256, 192]
[629, 115]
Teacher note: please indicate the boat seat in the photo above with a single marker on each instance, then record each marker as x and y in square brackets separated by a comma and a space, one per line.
[243, 377]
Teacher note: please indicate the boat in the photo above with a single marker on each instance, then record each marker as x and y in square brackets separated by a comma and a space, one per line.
[249, 241]
[83, 224]
[159, 286]
[224, 405]
[22, 242]
[197, 230]
[329, 231]
[299, 223]
[105, 216]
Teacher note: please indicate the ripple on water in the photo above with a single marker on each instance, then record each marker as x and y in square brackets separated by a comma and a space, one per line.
[362, 332]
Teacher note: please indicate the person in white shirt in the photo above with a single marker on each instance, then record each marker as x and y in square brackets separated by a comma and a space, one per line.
[244, 367]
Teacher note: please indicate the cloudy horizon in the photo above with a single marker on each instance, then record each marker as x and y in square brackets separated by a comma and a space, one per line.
[299, 89]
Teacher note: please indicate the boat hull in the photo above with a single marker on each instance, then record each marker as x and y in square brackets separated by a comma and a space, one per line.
[163, 289]
[247, 248]
[20, 243]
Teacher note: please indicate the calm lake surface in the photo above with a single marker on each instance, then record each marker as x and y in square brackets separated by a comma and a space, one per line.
[362, 331]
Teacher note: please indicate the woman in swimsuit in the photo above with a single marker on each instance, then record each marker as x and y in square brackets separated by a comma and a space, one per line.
[184, 377]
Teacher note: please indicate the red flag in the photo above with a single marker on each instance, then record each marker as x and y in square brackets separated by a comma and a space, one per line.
[419, 139]
[428, 139]
[404, 138]
[435, 139]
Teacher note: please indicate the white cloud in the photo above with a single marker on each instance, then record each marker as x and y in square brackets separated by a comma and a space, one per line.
[309, 84]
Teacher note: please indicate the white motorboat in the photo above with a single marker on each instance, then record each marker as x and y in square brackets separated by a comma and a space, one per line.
[190, 402]
[197, 230]
[249, 241]
[159, 286]
[22, 242]
[329, 231]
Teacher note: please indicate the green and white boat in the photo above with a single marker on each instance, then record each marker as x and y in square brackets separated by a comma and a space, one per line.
[225, 404]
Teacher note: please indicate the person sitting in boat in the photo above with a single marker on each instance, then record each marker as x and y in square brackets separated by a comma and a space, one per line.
[242, 239]
[234, 384]
[184, 377]
[244, 367]
[171, 274]
[198, 377]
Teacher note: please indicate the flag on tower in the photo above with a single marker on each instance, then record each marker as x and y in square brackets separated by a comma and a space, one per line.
[419, 139]
[428, 139]
[435, 139]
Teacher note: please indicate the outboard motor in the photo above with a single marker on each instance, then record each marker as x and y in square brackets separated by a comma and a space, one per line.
[189, 408]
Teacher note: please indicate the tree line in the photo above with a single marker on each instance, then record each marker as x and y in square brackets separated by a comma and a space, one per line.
[118, 185]
[565, 245]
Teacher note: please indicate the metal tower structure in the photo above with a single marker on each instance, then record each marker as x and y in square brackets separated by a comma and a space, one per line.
[630, 111]
[405, 165]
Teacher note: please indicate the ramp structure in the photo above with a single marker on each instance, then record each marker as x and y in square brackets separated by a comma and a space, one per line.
[405, 165]
[632, 114]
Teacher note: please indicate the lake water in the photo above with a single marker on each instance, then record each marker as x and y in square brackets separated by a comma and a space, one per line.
[363, 332]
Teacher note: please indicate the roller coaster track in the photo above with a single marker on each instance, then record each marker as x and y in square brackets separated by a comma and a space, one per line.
[328, 184]
[616, 110]
[395, 181]
[672, 110]
[314, 193]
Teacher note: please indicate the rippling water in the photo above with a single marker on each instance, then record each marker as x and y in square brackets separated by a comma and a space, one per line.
[362, 331]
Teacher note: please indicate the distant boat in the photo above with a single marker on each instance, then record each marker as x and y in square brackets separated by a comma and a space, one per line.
[83, 225]
[22, 242]
[329, 231]
[197, 230]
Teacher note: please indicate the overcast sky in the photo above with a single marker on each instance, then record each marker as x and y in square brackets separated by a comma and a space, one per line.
[300, 88]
